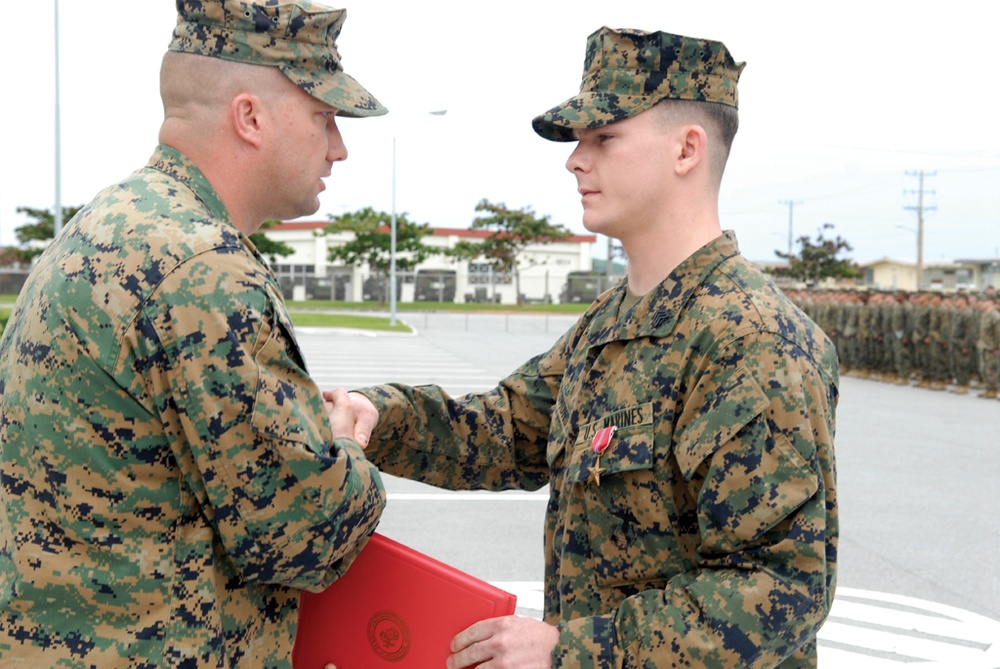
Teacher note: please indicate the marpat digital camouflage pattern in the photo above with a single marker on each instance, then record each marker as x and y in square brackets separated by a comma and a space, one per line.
[169, 477]
[626, 72]
[711, 540]
[297, 37]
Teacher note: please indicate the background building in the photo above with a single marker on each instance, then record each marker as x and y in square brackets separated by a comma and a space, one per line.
[561, 271]
[972, 275]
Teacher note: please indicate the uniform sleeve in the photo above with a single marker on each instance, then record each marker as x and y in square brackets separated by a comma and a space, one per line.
[754, 445]
[249, 429]
[490, 441]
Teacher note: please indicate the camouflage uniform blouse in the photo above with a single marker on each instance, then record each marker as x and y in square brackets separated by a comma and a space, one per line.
[169, 475]
[710, 540]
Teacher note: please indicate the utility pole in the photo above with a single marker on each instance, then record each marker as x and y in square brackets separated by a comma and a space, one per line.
[920, 209]
[791, 206]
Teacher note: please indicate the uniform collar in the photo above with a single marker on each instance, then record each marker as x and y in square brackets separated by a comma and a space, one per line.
[655, 315]
[175, 164]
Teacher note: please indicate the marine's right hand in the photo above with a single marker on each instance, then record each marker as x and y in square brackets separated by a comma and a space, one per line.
[366, 417]
[364, 412]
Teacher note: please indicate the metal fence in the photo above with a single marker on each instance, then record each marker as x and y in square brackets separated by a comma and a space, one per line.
[11, 282]
[445, 286]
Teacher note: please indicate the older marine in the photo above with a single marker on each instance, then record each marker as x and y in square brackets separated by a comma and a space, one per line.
[172, 477]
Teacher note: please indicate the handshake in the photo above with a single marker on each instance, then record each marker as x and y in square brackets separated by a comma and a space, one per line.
[352, 415]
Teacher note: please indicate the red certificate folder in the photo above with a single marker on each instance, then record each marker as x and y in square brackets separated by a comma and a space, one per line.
[395, 607]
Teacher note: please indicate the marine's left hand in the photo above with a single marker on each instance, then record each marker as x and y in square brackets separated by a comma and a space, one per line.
[510, 642]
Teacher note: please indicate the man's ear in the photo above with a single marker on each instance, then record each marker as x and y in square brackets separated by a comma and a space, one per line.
[693, 148]
[246, 116]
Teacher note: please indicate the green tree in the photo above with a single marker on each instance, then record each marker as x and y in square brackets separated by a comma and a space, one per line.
[10, 256]
[372, 243]
[268, 247]
[513, 231]
[817, 260]
[41, 230]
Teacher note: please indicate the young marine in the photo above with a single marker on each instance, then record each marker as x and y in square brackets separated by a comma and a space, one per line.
[684, 425]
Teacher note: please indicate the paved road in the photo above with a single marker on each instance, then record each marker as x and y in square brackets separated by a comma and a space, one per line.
[919, 483]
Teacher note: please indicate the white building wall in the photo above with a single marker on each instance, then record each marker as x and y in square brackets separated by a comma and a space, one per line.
[544, 267]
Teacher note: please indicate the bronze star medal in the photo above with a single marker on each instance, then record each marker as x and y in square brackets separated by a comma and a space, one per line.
[600, 443]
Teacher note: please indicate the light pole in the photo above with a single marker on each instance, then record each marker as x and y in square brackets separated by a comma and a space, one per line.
[392, 243]
[392, 232]
[57, 219]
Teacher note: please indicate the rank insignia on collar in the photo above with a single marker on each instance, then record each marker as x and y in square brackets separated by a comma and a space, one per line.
[600, 443]
[659, 318]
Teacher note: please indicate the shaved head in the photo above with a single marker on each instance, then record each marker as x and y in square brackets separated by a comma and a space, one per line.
[199, 88]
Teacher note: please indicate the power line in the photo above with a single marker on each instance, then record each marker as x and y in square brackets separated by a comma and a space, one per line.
[866, 189]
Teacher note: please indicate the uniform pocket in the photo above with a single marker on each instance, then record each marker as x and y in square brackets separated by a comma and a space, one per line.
[748, 477]
[629, 515]
[733, 403]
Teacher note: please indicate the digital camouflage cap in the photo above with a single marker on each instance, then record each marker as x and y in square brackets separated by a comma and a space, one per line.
[299, 38]
[626, 72]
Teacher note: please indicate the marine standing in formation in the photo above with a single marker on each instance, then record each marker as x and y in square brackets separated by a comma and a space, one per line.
[684, 424]
[172, 477]
[931, 340]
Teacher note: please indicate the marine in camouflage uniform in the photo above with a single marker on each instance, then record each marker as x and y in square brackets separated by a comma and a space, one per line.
[888, 339]
[880, 336]
[827, 315]
[962, 341]
[866, 312]
[849, 328]
[837, 320]
[940, 371]
[988, 347]
[705, 535]
[922, 339]
[871, 324]
[975, 317]
[170, 476]
[901, 321]
[810, 305]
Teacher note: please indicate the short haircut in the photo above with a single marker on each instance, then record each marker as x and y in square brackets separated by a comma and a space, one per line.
[720, 122]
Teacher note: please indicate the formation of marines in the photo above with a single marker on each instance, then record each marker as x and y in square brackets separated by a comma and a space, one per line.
[931, 339]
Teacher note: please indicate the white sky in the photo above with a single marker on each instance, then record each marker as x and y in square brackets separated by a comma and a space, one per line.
[838, 102]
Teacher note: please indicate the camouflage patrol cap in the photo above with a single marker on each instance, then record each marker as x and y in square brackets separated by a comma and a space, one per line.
[298, 37]
[626, 72]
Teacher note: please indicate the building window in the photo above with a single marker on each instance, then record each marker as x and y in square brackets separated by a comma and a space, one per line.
[294, 271]
[482, 274]
[963, 278]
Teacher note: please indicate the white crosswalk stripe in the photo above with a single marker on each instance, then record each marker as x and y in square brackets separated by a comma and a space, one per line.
[880, 630]
[348, 362]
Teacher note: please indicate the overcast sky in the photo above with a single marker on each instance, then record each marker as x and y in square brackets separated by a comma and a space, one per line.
[840, 104]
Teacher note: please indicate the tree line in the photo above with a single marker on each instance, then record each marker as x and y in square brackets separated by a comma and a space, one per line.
[510, 230]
